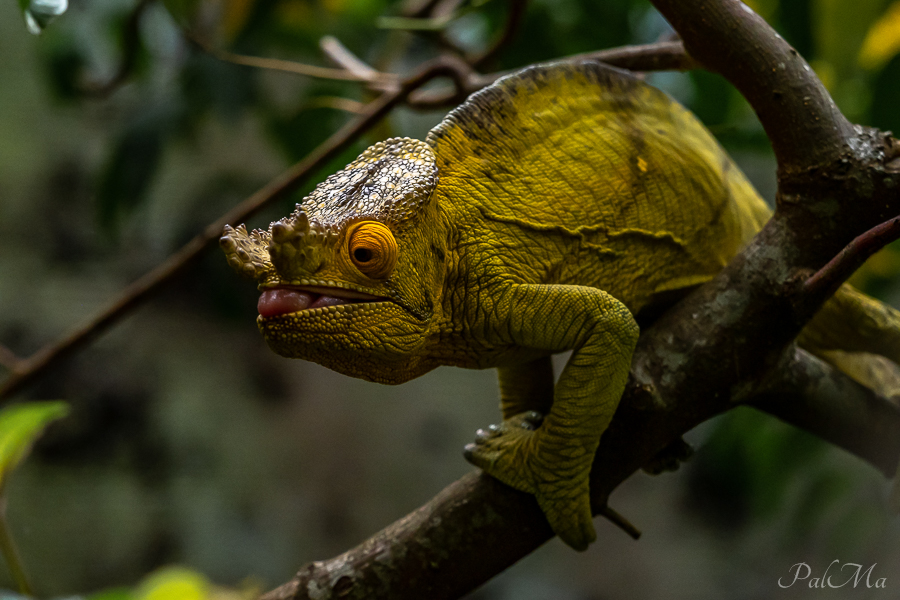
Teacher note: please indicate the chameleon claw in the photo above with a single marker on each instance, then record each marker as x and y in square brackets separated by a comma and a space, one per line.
[531, 420]
[469, 451]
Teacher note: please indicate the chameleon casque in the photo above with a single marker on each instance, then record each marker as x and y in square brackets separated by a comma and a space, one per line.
[536, 218]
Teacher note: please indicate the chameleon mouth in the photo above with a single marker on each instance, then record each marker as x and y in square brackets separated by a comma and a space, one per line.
[278, 301]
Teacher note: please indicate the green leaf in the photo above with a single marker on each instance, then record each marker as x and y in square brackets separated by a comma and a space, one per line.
[882, 41]
[840, 27]
[173, 582]
[39, 13]
[20, 426]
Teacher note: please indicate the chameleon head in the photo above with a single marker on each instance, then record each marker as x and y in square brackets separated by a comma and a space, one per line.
[351, 279]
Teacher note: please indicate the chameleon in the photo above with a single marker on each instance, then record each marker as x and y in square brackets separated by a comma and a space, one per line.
[540, 216]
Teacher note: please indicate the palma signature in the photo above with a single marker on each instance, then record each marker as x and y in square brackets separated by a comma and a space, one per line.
[802, 571]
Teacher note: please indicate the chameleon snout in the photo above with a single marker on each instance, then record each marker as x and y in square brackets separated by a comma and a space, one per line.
[297, 246]
[292, 248]
[247, 252]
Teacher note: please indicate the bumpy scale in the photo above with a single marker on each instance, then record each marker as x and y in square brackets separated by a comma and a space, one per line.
[537, 218]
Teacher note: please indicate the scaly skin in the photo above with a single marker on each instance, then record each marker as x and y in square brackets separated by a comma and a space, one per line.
[537, 218]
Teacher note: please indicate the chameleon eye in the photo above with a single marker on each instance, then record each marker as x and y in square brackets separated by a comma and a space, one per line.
[373, 249]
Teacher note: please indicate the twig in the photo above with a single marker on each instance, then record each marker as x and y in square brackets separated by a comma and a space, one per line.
[619, 521]
[415, 24]
[288, 66]
[9, 359]
[417, 9]
[337, 103]
[131, 44]
[830, 277]
[662, 56]
[277, 188]
[342, 57]
[513, 20]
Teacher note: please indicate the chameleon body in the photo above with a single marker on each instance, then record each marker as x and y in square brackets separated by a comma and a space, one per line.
[538, 217]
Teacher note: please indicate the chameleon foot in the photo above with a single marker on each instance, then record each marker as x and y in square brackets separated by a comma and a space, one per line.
[515, 453]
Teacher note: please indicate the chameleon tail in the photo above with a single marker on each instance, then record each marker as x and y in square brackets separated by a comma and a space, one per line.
[851, 328]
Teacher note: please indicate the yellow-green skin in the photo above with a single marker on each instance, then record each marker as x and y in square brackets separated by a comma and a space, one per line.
[544, 213]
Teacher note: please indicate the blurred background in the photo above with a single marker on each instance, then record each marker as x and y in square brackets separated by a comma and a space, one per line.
[191, 443]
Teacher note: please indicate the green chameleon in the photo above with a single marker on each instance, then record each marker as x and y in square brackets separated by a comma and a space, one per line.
[537, 218]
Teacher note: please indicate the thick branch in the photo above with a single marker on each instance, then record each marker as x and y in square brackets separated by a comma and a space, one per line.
[812, 396]
[800, 118]
[282, 185]
[477, 527]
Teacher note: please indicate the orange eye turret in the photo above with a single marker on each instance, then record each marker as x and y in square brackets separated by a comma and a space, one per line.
[373, 249]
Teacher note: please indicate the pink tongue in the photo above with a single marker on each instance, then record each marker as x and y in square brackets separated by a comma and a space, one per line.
[279, 302]
[327, 301]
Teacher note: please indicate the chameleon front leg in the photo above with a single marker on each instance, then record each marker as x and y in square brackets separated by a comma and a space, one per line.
[553, 461]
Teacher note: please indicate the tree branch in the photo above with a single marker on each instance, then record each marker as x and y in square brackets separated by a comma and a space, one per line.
[726, 343]
[342, 57]
[811, 395]
[662, 56]
[829, 278]
[477, 527]
[800, 118]
[716, 348]
[465, 82]
[365, 76]
[282, 185]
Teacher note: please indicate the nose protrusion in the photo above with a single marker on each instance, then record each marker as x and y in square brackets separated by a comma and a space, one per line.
[246, 252]
[297, 246]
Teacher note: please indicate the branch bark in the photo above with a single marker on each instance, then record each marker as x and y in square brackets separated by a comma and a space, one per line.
[477, 527]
